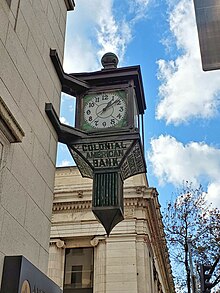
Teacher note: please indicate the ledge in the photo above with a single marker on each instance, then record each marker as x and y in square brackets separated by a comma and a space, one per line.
[8, 124]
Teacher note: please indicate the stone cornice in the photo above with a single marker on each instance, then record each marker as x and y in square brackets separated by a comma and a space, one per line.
[72, 205]
[87, 188]
[9, 125]
[80, 204]
[158, 240]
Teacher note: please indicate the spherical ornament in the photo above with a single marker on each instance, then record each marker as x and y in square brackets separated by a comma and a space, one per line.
[109, 61]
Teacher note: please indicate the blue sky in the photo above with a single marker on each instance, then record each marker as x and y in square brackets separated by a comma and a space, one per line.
[182, 137]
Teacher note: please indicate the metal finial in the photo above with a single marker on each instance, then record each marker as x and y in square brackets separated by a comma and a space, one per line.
[109, 61]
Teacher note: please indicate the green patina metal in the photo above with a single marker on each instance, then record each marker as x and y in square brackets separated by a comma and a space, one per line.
[106, 143]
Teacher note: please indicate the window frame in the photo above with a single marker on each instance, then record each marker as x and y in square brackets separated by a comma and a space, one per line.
[79, 289]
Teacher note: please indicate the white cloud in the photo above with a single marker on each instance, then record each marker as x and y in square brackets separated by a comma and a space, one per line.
[186, 91]
[94, 28]
[172, 162]
[214, 193]
[113, 36]
[65, 163]
[81, 47]
[139, 9]
[64, 121]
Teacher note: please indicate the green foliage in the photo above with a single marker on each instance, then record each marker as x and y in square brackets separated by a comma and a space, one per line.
[191, 224]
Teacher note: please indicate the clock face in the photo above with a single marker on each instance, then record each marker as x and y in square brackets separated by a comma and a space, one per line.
[104, 110]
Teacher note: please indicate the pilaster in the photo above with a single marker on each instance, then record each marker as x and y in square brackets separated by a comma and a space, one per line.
[56, 261]
[99, 264]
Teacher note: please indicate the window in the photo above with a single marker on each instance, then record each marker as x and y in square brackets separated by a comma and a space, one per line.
[78, 276]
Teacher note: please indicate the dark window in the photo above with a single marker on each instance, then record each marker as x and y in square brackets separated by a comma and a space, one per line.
[78, 270]
[76, 276]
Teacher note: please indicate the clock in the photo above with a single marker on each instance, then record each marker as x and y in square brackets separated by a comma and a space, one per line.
[104, 110]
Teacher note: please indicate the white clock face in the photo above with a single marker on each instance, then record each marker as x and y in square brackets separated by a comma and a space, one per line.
[105, 110]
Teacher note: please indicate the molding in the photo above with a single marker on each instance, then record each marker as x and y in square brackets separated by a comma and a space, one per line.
[79, 204]
[72, 205]
[157, 238]
[96, 240]
[9, 125]
[60, 244]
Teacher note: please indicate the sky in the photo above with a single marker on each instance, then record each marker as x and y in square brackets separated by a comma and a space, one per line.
[182, 137]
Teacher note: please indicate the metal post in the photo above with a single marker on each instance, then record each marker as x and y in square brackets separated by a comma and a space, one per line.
[193, 277]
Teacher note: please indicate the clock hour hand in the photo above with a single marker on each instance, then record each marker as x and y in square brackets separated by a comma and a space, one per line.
[106, 107]
[112, 102]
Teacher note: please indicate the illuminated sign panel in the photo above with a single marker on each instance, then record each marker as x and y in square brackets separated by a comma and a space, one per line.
[208, 25]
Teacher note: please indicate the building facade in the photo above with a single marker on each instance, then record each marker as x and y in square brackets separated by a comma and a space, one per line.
[208, 25]
[28, 30]
[133, 259]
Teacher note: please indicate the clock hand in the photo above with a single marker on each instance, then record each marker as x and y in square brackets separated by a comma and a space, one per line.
[106, 107]
[112, 102]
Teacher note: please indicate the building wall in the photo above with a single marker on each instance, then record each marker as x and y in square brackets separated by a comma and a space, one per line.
[28, 29]
[133, 258]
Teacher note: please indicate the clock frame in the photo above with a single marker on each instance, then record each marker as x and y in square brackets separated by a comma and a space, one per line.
[107, 110]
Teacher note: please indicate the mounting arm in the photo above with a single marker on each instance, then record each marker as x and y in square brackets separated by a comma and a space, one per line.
[70, 84]
[66, 134]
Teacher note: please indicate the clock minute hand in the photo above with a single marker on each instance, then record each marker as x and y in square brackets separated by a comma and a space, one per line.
[104, 109]
[110, 104]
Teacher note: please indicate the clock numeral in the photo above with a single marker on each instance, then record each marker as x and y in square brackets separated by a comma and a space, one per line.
[96, 122]
[90, 118]
[91, 104]
[119, 102]
[113, 98]
[104, 97]
[88, 112]
[119, 116]
[121, 109]
[96, 99]
[112, 122]
[104, 123]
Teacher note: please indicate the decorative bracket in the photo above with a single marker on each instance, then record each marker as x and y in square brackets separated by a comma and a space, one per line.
[66, 134]
[70, 84]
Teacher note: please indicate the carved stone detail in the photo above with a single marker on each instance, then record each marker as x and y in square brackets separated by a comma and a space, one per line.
[9, 125]
[60, 244]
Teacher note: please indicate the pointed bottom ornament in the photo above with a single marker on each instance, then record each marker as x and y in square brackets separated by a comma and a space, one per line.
[108, 204]
[109, 217]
